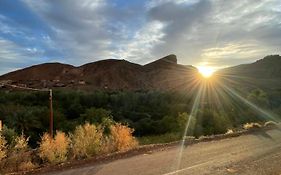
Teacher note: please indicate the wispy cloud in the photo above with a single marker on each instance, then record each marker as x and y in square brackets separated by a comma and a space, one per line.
[217, 32]
[13, 56]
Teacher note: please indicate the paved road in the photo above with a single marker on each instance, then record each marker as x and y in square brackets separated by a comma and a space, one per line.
[258, 153]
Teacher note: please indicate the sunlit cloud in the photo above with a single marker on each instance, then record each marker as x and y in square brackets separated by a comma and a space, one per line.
[143, 41]
[225, 55]
[216, 33]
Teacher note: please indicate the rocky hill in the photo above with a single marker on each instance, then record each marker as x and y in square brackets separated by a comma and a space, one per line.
[264, 73]
[162, 74]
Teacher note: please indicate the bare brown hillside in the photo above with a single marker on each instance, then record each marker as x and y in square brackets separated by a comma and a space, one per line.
[162, 74]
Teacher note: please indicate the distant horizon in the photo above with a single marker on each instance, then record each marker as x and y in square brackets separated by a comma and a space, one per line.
[55, 62]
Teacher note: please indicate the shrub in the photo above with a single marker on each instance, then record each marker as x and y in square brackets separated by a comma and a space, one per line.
[87, 140]
[121, 138]
[17, 154]
[54, 150]
[3, 147]
[21, 143]
[9, 134]
[25, 166]
[18, 161]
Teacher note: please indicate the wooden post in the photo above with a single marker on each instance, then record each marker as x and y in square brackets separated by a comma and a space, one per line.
[0, 125]
[51, 115]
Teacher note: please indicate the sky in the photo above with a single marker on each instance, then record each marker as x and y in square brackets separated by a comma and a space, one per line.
[215, 33]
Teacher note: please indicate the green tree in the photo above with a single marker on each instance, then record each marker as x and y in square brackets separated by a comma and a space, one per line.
[183, 119]
[95, 115]
[98, 116]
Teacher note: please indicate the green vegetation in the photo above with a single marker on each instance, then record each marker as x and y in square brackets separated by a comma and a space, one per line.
[90, 124]
[164, 138]
[148, 113]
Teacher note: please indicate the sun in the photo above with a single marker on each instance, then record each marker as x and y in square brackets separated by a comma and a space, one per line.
[206, 71]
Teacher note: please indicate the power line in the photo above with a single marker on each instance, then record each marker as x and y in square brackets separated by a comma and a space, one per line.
[25, 88]
[50, 99]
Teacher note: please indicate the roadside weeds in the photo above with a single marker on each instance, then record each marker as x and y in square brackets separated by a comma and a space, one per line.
[143, 149]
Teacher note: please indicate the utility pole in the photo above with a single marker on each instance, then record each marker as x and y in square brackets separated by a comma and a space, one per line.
[41, 90]
[51, 115]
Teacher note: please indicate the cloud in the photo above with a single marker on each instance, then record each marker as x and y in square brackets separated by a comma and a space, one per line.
[13, 56]
[213, 32]
[230, 54]
[182, 21]
[198, 28]
[89, 30]
[138, 49]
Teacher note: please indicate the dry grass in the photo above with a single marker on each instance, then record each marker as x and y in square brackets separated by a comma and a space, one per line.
[18, 156]
[87, 140]
[26, 166]
[3, 147]
[229, 131]
[54, 150]
[251, 126]
[21, 143]
[121, 138]
[270, 123]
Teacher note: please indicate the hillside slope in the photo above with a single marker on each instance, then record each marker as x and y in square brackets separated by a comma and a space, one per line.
[161, 74]
[264, 73]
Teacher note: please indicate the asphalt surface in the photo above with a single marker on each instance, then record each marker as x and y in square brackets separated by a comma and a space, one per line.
[258, 153]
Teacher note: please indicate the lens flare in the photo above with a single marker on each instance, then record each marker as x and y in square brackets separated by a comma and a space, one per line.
[263, 113]
[216, 94]
[206, 71]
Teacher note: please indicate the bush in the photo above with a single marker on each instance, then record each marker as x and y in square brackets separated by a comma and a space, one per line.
[87, 140]
[54, 150]
[25, 166]
[16, 162]
[121, 138]
[9, 134]
[3, 147]
[21, 143]
[17, 155]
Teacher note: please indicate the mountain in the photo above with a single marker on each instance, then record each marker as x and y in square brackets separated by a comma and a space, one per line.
[112, 74]
[46, 71]
[162, 74]
[166, 73]
[268, 67]
[264, 73]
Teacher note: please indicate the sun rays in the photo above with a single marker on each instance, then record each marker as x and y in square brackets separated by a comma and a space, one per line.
[215, 92]
[206, 71]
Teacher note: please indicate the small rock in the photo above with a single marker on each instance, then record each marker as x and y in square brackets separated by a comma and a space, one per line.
[230, 170]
